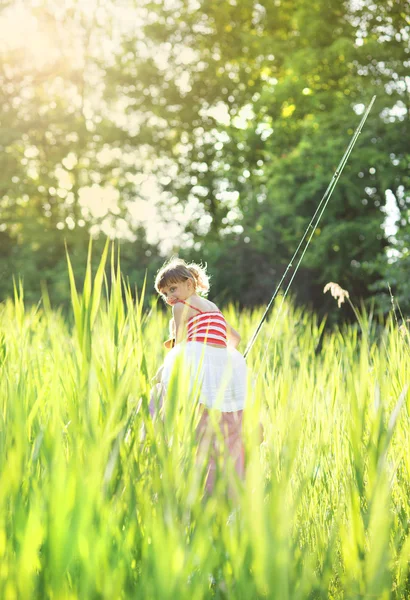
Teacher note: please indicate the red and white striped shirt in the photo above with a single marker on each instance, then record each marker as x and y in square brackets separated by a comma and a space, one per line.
[207, 327]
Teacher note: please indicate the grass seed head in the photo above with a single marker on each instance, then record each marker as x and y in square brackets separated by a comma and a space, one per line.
[337, 292]
[404, 328]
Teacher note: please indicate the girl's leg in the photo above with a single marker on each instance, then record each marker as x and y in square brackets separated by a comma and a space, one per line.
[230, 425]
[234, 450]
[231, 428]
[206, 451]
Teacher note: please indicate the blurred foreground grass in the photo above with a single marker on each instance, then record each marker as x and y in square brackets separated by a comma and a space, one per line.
[97, 502]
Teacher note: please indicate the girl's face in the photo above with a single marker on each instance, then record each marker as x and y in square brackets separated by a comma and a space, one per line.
[177, 291]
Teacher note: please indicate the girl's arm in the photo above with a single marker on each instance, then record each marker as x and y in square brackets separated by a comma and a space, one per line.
[233, 336]
[177, 313]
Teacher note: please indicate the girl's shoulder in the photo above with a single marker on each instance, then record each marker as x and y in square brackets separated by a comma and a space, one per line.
[204, 305]
[184, 311]
[197, 305]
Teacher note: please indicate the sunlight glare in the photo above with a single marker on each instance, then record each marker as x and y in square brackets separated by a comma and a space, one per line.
[20, 29]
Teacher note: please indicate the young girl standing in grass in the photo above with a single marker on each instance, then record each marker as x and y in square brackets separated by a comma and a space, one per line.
[207, 345]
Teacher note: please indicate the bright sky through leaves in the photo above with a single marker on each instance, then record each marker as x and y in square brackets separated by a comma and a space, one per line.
[21, 30]
[42, 45]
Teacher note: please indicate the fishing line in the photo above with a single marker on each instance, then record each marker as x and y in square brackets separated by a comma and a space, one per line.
[311, 226]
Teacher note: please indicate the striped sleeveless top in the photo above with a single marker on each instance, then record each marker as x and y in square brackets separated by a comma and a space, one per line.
[206, 327]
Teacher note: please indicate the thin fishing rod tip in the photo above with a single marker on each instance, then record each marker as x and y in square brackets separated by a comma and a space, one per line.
[322, 206]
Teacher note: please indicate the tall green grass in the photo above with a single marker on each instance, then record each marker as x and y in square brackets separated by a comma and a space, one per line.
[98, 501]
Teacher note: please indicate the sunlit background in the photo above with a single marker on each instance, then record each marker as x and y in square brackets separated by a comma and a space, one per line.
[47, 44]
[204, 128]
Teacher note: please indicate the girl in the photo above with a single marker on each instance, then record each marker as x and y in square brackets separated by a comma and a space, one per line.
[207, 345]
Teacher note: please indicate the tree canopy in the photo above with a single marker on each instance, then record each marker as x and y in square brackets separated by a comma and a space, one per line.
[242, 111]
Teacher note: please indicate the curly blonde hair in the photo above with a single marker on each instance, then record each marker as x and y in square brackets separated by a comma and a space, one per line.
[177, 270]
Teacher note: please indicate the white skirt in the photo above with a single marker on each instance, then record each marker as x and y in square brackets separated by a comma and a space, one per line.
[218, 374]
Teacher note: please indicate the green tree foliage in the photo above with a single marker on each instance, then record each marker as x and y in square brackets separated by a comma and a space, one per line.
[254, 104]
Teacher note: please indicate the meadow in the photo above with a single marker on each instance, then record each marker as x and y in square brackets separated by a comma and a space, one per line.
[97, 501]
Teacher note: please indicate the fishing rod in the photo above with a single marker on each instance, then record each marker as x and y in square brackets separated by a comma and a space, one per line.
[312, 225]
